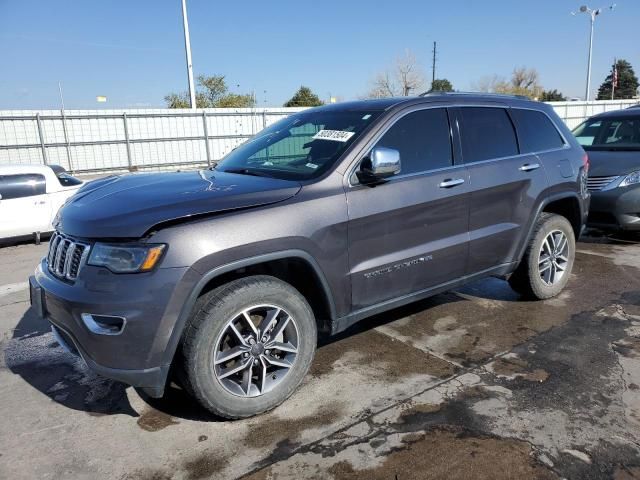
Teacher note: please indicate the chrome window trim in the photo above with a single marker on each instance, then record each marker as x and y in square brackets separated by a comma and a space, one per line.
[564, 139]
[350, 171]
[400, 115]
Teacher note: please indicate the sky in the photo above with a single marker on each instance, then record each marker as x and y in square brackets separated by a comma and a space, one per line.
[132, 51]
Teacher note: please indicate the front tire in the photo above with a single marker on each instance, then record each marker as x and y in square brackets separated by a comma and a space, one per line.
[546, 265]
[248, 346]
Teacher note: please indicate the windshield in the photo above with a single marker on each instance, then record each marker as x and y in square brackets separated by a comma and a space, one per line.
[609, 134]
[299, 147]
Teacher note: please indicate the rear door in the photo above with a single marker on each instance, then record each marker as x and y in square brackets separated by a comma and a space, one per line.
[504, 185]
[410, 233]
[24, 205]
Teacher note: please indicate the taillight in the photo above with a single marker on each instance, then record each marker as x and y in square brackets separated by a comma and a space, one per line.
[585, 162]
[584, 176]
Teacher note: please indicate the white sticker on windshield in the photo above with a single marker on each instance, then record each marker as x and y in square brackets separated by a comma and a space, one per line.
[311, 165]
[334, 135]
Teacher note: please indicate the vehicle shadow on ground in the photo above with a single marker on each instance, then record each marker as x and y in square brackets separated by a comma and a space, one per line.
[613, 238]
[33, 354]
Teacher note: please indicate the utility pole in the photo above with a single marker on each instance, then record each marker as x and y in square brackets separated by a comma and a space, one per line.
[614, 78]
[433, 67]
[187, 49]
[61, 96]
[593, 13]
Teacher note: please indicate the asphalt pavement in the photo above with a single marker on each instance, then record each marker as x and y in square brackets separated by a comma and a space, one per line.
[475, 383]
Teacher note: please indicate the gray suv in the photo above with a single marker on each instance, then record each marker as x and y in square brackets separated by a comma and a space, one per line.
[225, 277]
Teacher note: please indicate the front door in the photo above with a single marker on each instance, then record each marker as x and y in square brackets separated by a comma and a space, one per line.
[410, 234]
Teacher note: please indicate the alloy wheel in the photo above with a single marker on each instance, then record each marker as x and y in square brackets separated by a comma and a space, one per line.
[255, 350]
[553, 257]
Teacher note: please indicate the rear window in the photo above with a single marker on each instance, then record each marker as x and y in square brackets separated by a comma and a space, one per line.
[535, 131]
[23, 185]
[609, 133]
[486, 133]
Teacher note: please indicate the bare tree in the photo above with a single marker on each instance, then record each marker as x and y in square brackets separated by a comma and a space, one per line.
[403, 79]
[524, 81]
[382, 86]
[523, 77]
[488, 84]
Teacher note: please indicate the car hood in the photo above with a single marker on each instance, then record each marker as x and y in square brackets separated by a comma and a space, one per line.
[128, 206]
[609, 163]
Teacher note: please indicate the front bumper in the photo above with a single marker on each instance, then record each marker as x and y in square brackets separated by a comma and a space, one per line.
[149, 302]
[615, 209]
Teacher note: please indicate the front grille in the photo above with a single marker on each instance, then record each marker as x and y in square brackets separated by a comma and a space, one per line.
[66, 256]
[595, 184]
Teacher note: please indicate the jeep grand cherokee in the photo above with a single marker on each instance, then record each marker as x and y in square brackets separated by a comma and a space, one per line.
[226, 276]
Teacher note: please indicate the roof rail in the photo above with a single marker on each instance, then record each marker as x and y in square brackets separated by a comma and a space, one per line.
[482, 94]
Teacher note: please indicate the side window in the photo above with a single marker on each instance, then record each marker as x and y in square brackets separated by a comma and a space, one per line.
[67, 180]
[423, 139]
[486, 133]
[535, 131]
[23, 185]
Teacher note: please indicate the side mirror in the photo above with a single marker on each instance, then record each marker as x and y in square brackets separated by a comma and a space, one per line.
[381, 163]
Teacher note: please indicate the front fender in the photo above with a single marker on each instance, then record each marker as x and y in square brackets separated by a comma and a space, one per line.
[205, 277]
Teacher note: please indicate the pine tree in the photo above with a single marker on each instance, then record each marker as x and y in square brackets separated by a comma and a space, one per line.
[552, 96]
[627, 83]
[304, 97]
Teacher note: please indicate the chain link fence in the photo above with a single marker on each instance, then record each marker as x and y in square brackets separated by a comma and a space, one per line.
[86, 141]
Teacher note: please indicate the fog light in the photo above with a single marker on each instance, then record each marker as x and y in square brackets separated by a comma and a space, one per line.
[104, 324]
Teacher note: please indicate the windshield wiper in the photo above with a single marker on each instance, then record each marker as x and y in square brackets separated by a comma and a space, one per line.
[246, 171]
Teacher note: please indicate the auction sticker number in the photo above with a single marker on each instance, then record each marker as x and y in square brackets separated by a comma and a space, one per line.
[334, 135]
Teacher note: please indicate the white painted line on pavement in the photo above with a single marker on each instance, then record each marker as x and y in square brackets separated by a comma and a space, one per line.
[13, 288]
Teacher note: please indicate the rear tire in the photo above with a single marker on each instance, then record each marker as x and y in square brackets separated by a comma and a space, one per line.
[267, 361]
[546, 265]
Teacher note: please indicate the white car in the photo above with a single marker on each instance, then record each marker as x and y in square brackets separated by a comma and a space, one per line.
[30, 196]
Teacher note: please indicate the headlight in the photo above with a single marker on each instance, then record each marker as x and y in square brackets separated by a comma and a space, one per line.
[631, 179]
[125, 258]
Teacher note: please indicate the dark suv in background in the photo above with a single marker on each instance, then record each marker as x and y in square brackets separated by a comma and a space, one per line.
[612, 140]
[226, 276]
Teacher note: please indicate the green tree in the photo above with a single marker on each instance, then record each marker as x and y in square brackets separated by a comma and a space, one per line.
[304, 97]
[627, 83]
[552, 96]
[441, 85]
[212, 93]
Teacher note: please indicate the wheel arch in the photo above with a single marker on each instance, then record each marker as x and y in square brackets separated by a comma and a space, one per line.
[566, 204]
[290, 266]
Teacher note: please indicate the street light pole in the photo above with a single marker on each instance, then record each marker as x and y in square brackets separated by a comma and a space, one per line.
[593, 21]
[593, 13]
[187, 48]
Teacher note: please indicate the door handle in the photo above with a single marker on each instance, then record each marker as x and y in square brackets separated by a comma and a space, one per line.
[528, 167]
[451, 183]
